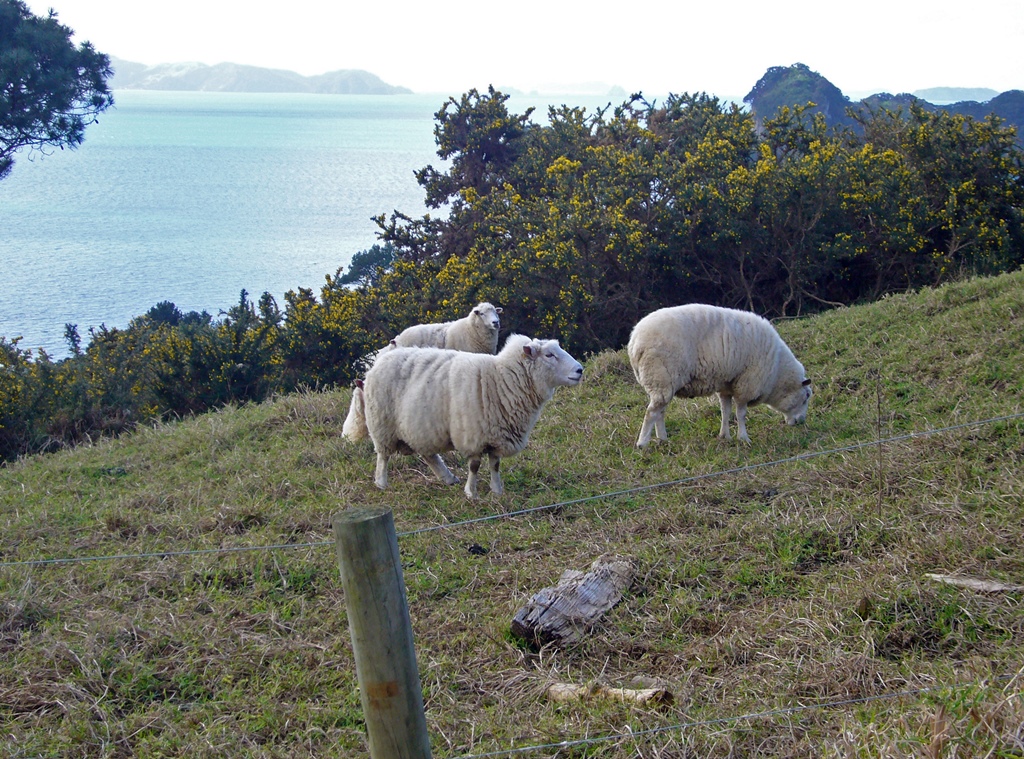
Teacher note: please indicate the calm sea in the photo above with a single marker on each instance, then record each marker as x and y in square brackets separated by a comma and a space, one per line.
[190, 197]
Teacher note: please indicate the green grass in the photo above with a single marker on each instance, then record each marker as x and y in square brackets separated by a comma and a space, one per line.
[759, 591]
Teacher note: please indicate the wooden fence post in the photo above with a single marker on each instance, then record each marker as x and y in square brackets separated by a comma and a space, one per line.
[378, 617]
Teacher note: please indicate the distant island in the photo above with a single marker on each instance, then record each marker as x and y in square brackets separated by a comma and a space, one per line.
[234, 77]
[798, 85]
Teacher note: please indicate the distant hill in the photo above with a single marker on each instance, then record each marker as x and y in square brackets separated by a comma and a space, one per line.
[1008, 105]
[798, 85]
[233, 77]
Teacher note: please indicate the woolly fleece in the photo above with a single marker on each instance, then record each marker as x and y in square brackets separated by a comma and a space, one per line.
[697, 350]
[428, 401]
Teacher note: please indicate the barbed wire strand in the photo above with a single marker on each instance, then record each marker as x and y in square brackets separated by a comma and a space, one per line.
[164, 554]
[717, 473]
[535, 509]
[634, 734]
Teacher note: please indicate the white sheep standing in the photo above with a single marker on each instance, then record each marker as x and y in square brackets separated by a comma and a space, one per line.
[697, 350]
[427, 401]
[476, 332]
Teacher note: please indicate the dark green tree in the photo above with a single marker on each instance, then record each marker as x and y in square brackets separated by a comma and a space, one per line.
[482, 142]
[165, 312]
[367, 266]
[481, 139]
[50, 90]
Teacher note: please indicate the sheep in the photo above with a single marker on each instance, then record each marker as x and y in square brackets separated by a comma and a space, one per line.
[476, 333]
[697, 350]
[427, 401]
[355, 421]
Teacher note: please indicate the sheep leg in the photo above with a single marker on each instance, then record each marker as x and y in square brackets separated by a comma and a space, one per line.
[380, 479]
[496, 486]
[726, 403]
[438, 467]
[654, 420]
[471, 476]
[741, 422]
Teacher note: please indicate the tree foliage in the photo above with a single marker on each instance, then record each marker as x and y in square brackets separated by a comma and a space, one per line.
[50, 90]
[603, 217]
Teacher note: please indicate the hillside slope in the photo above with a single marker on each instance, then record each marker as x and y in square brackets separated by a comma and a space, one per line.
[772, 579]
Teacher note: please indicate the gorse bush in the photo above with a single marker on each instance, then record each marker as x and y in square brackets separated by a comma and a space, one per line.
[577, 228]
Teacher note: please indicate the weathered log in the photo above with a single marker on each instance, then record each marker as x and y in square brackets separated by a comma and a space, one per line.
[569, 692]
[982, 586]
[562, 614]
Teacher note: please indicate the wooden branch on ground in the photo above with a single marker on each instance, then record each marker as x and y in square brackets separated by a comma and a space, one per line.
[562, 614]
[982, 586]
[570, 692]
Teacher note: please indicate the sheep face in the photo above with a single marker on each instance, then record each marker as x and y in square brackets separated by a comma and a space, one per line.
[554, 363]
[487, 317]
[794, 405]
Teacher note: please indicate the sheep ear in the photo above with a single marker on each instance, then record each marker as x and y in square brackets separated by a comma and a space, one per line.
[528, 350]
[806, 382]
[499, 310]
[359, 383]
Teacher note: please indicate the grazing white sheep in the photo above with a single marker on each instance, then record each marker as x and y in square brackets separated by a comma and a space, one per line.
[697, 350]
[476, 333]
[428, 401]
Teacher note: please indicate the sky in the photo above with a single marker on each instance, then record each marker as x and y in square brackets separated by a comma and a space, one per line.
[554, 46]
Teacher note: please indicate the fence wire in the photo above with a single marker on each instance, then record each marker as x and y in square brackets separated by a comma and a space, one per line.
[535, 509]
[782, 711]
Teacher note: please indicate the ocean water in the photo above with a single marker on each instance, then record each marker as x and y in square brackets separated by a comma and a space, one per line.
[190, 197]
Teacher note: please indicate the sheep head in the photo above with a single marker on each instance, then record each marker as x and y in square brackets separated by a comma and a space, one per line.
[488, 317]
[553, 362]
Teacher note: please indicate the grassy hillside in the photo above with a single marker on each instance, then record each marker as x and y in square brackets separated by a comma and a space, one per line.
[759, 591]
